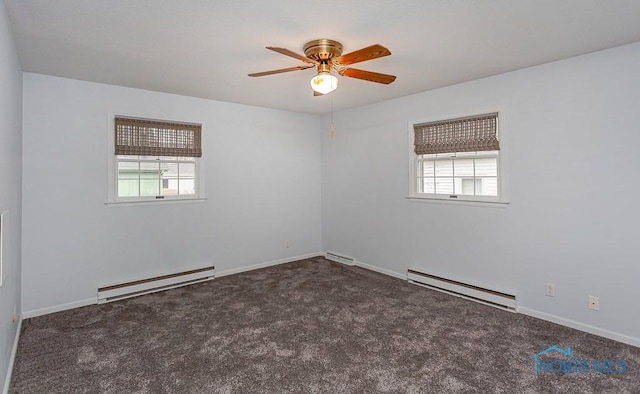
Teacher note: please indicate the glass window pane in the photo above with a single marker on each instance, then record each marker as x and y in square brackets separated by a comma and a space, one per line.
[444, 168]
[169, 179]
[149, 179]
[127, 170]
[444, 186]
[171, 189]
[128, 188]
[464, 167]
[128, 184]
[469, 186]
[149, 187]
[428, 168]
[169, 170]
[489, 187]
[186, 182]
[187, 170]
[149, 170]
[187, 186]
[486, 167]
[428, 185]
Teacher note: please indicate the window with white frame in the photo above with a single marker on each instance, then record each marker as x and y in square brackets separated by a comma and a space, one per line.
[156, 160]
[457, 159]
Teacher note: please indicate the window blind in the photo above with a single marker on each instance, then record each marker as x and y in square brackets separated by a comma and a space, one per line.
[146, 137]
[469, 134]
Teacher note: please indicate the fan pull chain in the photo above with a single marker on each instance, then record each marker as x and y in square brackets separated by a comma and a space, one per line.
[331, 128]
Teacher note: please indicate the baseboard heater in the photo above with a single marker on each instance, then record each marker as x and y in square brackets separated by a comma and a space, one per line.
[340, 259]
[151, 285]
[483, 295]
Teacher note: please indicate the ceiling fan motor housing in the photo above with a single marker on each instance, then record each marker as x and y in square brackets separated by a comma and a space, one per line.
[322, 50]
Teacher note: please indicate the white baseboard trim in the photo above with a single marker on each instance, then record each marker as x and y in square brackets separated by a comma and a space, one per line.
[12, 358]
[94, 300]
[267, 264]
[526, 311]
[629, 340]
[59, 308]
[381, 270]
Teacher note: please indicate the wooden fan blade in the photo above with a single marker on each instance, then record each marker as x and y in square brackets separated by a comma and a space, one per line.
[367, 75]
[294, 55]
[368, 53]
[282, 70]
[315, 94]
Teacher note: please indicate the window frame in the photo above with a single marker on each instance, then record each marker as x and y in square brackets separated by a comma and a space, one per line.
[112, 172]
[414, 161]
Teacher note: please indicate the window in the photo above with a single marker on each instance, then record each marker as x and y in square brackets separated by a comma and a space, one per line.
[156, 160]
[457, 159]
[147, 176]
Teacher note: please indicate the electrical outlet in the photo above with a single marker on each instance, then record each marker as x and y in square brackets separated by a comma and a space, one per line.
[550, 290]
[594, 303]
[286, 244]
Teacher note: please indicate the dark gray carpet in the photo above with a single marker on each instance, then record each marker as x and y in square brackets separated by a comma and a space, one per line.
[312, 326]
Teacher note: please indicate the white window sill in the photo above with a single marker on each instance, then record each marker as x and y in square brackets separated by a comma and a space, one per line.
[155, 201]
[459, 201]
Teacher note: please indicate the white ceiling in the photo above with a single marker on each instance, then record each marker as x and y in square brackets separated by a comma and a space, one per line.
[206, 48]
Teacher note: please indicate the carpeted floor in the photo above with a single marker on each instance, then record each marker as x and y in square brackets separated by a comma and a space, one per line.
[311, 326]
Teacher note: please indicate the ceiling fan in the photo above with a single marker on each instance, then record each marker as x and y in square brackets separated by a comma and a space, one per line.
[326, 55]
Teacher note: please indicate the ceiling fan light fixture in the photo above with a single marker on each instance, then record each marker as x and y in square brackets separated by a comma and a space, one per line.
[324, 83]
[326, 55]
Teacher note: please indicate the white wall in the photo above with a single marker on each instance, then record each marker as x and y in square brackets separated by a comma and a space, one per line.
[261, 178]
[570, 138]
[572, 149]
[10, 185]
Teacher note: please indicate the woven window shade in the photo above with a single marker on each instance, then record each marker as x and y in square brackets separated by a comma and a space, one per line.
[474, 133]
[145, 137]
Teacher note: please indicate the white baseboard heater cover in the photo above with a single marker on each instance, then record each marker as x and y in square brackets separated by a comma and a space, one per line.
[340, 259]
[486, 296]
[151, 285]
